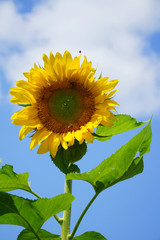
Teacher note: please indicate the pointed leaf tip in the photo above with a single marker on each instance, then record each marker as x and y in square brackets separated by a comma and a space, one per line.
[124, 123]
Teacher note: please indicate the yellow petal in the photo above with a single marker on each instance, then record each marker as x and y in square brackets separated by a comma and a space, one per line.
[88, 137]
[28, 86]
[43, 135]
[38, 137]
[112, 103]
[75, 63]
[71, 142]
[58, 70]
[54, 141]
[46, 60]
[34, 140]
[78, 135]
[90, 127]
[99, 99]
[22, 96]
[26, 113]
[67, 57]
[27, 75]
[58, 56]
[107, 123]
[29, 122]
[110, 94]
[103, 85]
[82, 140]
[67, 136]
[110, 108]
[64, 143]
[102, 112]
[44, 147]
[24, 131]
[51, 58]
[103, 81]
[39, 77]
[111, 84]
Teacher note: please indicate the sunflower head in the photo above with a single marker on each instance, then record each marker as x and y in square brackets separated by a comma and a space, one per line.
[63, 103]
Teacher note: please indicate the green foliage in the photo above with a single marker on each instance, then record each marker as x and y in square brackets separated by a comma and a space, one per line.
[64, 159]
[135, 168]
[124, 123]
[43, 235]
[31, 214]
[90, 236]
[119, 166]
[9, 180]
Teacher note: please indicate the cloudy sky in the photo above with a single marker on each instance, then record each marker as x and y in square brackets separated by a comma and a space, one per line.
[118, 36]
[122, 39]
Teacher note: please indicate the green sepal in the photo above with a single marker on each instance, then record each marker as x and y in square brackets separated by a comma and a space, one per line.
[90, 236]
[9, 180]
[64, 159]
[31, 214]
[100, 76]
[119, 166]
[24, 104]
[40, 66]
[124, 123]
[43, 235]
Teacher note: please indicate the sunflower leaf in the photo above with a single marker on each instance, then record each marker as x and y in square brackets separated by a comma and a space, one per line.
[135, 168]
[43, 234]
[90, 236]
[9, 180]
[119, 166]
[64, 159]
[124, 123]
[31, 214]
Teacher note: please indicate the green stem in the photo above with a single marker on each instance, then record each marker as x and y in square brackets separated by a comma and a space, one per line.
[58, 219]
[81, 216]
[35, 194]
[65, 226]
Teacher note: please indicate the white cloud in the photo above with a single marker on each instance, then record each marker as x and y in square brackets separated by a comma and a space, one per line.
[113, 34]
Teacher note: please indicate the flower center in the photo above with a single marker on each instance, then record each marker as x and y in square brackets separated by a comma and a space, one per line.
[66, 105]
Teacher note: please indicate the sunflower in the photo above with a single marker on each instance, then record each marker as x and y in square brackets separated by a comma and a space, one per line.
[62, 103]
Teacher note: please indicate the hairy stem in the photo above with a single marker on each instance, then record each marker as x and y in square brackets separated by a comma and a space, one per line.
[65, 226]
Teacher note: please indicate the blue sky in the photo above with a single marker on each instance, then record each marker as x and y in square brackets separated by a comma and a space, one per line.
[122, 40]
